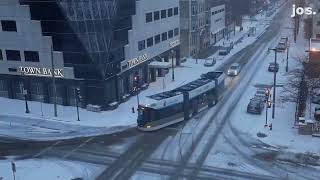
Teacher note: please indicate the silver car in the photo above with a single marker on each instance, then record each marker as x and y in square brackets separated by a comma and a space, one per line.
[234, 69]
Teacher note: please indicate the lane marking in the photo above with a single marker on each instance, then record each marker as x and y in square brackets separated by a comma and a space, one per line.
[47, 149]
[80, 146]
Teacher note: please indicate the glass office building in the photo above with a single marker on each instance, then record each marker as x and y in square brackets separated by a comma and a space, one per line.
[91, 34]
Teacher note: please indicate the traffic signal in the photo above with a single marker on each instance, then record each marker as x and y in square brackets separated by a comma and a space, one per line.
[269, 104]
[78, 93]
[267, 93]
[136, 80]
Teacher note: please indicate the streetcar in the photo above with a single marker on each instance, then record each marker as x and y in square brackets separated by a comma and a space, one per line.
[171, 107]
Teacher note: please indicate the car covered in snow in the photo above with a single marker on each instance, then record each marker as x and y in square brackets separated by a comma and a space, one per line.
[223, 51]
[273, 67]
[255, 106]
[209, 62]
[282, 45]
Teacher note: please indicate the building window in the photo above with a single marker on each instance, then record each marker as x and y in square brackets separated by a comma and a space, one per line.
[156, 15]
[141, 45]
[31, 56]
[170, 34]
[176, 11]
[170, 12]
[176, 31]
[9, 26]
[157, 39]
[163, 14]
[148, 17]
[150, 42]
[164, 36]
[13, 55]
[12, 69]
[1, 57]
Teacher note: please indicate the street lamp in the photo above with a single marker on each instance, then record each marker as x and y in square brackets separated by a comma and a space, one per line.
[136, 87]
[172, 54]
[25, 93]
[274, 81]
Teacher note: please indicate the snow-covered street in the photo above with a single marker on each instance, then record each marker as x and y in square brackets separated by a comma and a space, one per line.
[220, 142]
[40, 124]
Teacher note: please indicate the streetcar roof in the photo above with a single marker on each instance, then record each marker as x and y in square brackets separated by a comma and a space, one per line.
[205, 79]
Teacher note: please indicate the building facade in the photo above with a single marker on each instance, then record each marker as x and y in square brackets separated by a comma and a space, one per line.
[100, 45]
[24, 51]
[316, 19]
[202, 25]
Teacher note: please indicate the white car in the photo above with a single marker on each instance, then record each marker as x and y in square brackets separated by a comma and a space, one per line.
[234, 69]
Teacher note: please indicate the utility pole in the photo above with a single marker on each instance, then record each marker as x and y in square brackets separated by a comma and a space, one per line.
[274, 82]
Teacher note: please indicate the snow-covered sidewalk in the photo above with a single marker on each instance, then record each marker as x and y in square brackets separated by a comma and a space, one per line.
[50, 169]
[282, 135]
[41, 124]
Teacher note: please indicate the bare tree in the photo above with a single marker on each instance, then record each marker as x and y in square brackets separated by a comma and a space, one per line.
[302, 81]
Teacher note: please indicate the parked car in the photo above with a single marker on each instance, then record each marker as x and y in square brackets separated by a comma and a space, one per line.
[234, 69]
[260, 96]
[255, 106]
[273, 67]
[261, 92]
[283, 44]
[223, 51]
[210, 62]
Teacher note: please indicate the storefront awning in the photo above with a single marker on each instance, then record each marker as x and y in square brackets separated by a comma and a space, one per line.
[157, 64]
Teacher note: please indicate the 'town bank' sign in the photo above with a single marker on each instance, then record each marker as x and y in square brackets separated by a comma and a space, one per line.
[37, 71]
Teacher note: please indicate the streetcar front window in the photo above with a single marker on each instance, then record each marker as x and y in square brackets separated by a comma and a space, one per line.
[143, 116]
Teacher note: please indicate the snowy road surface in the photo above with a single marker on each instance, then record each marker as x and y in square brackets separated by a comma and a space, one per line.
[214, 144]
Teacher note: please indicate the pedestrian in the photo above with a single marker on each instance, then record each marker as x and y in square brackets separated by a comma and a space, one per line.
[270, 126]
[132, 109]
